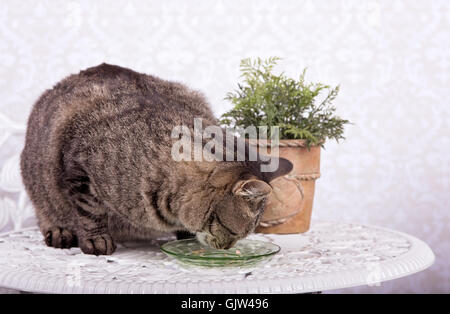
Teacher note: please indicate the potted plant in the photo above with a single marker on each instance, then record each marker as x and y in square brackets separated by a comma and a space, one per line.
[306, 119]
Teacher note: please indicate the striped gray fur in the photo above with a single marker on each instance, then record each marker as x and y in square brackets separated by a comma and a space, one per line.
[97, 165]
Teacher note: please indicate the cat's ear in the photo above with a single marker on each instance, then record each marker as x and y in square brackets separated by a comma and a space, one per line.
[252, 188]
[284, 167]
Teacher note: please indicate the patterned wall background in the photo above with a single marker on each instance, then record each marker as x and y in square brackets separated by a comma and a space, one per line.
[390, 57]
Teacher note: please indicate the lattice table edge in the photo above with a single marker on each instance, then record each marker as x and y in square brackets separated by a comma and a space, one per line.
[329, 256]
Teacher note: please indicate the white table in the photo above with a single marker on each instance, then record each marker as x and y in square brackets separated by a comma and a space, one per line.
[329, 256]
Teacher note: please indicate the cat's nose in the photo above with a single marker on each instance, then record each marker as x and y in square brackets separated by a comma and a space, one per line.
[225, 244]
[215, 242]
[229, 245]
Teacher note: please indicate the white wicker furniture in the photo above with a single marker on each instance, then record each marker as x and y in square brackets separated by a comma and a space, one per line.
[329, 256]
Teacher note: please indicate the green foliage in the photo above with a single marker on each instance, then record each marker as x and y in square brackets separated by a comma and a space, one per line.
[267, 99]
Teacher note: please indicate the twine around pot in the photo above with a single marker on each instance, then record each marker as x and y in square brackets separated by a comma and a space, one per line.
[295, 178]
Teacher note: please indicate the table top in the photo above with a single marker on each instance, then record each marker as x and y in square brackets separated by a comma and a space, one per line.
[329, 256]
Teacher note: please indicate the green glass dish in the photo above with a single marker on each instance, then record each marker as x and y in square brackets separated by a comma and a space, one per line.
[244, 252]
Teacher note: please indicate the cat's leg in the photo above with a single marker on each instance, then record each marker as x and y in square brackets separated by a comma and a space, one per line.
[52, 211]
[54, 219]
[94, 237]
[91, 217]
[57, 235]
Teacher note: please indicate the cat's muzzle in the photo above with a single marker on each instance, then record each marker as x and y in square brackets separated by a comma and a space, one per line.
[216, 242]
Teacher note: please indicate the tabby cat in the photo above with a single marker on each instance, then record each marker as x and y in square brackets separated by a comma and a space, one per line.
[97, 166]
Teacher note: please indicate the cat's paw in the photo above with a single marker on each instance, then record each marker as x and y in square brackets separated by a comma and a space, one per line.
[60, 238]
[101, 244]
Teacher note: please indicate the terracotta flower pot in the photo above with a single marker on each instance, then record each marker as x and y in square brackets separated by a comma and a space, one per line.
[289, 207]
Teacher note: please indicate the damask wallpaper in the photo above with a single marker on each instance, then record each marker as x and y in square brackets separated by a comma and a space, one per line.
[391, 59]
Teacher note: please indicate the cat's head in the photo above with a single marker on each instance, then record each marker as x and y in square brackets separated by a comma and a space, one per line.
[237, 203]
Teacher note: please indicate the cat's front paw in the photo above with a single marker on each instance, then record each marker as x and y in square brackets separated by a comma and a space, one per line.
[101, 244]
[61, 238]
